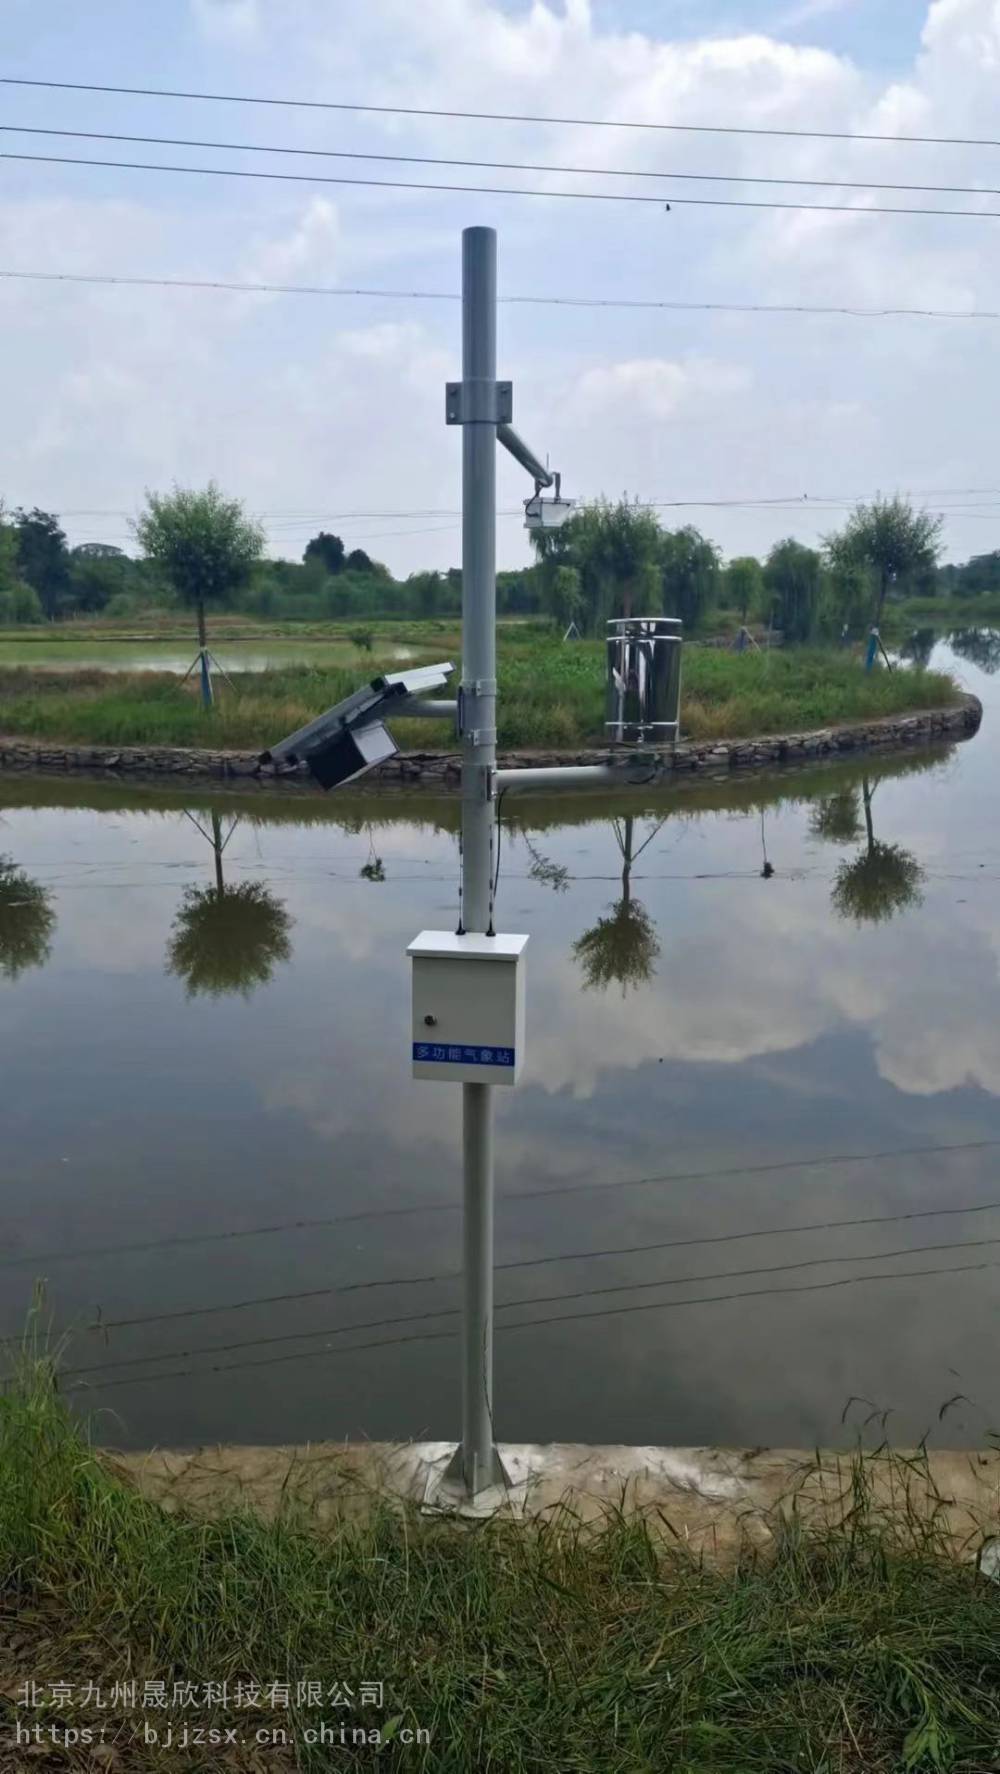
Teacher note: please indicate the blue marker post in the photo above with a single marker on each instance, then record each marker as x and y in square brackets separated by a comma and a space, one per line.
[874, 642]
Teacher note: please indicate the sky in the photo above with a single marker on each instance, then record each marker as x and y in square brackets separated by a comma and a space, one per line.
[328, 410]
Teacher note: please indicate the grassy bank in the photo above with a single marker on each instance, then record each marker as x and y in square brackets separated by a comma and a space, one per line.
[517, 1648]
[550, 695]
[942, 612]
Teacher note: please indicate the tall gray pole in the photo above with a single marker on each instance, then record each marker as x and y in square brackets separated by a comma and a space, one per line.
[477, 1464]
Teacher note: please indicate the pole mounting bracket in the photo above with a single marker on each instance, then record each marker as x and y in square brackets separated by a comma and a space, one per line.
[478, 401]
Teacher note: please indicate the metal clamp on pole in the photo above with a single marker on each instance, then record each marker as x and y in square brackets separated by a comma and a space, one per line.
[478, 400]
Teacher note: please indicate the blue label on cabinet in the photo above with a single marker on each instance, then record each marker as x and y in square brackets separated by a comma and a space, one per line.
[428, 1053]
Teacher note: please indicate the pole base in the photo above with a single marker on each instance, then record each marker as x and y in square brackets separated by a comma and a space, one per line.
[447, 1491]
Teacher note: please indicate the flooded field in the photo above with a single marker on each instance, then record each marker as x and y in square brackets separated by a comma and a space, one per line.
[752, 1172]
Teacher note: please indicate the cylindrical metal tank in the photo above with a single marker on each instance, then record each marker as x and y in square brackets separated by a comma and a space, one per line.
[644, 680]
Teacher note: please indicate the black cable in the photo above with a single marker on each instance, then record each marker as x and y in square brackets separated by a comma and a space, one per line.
[607, 172]
[727, 129]
[313, 289]
[586, 1293]
[559, 1318]
[185, 1240]
[496, 877]
[662, 203]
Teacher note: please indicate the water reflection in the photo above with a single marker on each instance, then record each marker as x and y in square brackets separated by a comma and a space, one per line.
[622, 947]
[227, 939]
[26, 921]
[776, 1066]
[919, 646]
[883, 880]
[980, 646]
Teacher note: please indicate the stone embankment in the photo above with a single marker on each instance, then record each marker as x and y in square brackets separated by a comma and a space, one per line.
[442, 769]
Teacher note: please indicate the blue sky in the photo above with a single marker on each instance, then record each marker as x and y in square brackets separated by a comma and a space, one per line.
[315, 407]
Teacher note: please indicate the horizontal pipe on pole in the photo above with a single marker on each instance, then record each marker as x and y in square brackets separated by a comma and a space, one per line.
[429, 708]
[521, 453]
[564, 776]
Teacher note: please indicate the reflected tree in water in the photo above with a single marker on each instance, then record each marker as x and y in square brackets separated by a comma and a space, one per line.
[227, 939]
[374, 868]
[836, 819]
[918, 647]
[545, 872]
[622, 947]
[980, 646]
[883, 880]
[26, 921]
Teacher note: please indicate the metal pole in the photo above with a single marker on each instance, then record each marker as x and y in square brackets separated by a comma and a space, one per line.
[477, 1463]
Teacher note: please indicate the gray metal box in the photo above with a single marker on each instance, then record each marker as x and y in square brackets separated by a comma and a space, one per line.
[468, 1007]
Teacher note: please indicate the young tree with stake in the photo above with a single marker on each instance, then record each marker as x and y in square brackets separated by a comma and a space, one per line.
[890, 540]
[206, 546]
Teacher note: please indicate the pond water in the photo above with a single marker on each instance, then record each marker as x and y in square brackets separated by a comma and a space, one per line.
[758, 1010]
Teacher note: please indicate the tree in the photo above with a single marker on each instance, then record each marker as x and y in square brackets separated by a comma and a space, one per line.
[563, 596]
[689, 575]
[206, 547]
[42, 557]
[845, 599]
[792, 579]
[19, 602]
[26, 921]
[881, 881]
[95, 580]
[427, 589]
[358, 561]
[744, 585]
[328, 550]
[227, 939]
[891, 540]
[614, 550]
[623, 946]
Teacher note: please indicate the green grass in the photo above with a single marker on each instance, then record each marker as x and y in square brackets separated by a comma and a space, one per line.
[521, 1648]
[551, 695]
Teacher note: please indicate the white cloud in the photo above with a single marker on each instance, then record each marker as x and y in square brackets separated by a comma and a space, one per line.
[654, 388]
[308, 401]
[227, 21]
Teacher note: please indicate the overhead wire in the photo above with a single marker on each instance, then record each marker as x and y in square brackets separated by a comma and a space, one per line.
[665, 202]
[653, 304]
[605, 172]
[631, 123]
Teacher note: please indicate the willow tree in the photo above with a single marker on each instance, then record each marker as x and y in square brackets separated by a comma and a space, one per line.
[26, 921]
[206, 547]
[612, 552]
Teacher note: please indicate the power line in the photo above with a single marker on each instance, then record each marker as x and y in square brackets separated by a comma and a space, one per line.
[601, 302]
[726, 129]
[558, 1318]
[185, 1240]
[662, 203]
[503, 1305]
[602, 172]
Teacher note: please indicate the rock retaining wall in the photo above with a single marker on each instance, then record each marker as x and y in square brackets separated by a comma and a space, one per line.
[442, 769]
